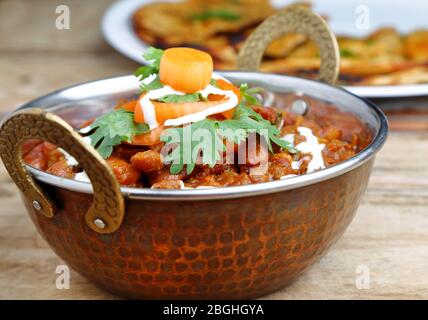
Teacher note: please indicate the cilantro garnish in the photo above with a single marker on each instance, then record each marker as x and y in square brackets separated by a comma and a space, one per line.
[186, 150]
[152, 55]
[177, 98]
[112, 129]
[214, 83]
[210, 145]
[153, 85]
[247, 119]
[346, 53]
[247, 94]
[216, 14]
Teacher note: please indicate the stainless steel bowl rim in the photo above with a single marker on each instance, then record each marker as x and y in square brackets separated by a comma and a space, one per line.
[225, 192]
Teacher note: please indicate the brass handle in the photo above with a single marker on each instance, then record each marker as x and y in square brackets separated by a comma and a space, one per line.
[295, 19]
[108, 208]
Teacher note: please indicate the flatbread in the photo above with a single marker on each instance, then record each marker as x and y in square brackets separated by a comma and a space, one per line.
[416, 45]
[384, 57]
[183, 22]
[412, 75]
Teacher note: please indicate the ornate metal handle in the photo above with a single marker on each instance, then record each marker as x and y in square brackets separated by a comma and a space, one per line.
[299, 20]
[108, 209]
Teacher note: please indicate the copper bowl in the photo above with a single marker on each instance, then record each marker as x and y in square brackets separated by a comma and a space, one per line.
[234, 242]
[229, 243]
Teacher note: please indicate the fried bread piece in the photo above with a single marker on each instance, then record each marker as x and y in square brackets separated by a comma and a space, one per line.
[195, 21]
[414, 75]
[221, 27]
[416, 45]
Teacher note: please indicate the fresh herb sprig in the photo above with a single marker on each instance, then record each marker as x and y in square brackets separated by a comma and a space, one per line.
[346, 53]
[247, 94]
[113, 128]
[177, 98]
[152, 55]
[236, 130]
[221, 14]
[246, 118]
[187, 151]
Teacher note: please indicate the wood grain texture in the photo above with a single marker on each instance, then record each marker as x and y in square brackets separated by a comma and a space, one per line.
[36, 58]
[389, 234]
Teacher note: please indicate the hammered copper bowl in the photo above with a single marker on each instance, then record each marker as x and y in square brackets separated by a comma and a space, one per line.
[228, 243]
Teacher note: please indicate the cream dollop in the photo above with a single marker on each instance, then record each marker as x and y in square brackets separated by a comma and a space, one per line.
[71, 161]
[311, 146]
[82, 176]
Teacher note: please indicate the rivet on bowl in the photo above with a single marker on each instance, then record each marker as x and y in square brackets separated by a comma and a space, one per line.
[99, 223]
[37, 205]
[299, 107]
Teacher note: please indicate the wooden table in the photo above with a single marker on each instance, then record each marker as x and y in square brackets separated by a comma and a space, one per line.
[388, 238]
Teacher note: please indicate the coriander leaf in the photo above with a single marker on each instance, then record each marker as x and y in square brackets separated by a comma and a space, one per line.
[204, 143]
[346, 53]
[154, 56]
[175, 168]
[143, 72]
[247, 94]
[216, 14]
[232, 131]
[176, 98]
[186, 151]
[214, 83]
[243, 111]
[113, 128]
[251, 120]
[283, 144]
[153, 85]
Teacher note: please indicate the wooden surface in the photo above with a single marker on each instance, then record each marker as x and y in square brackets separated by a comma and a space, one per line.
[389, 236]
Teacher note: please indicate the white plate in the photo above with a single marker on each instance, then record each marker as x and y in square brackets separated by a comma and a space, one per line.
[344, 18]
